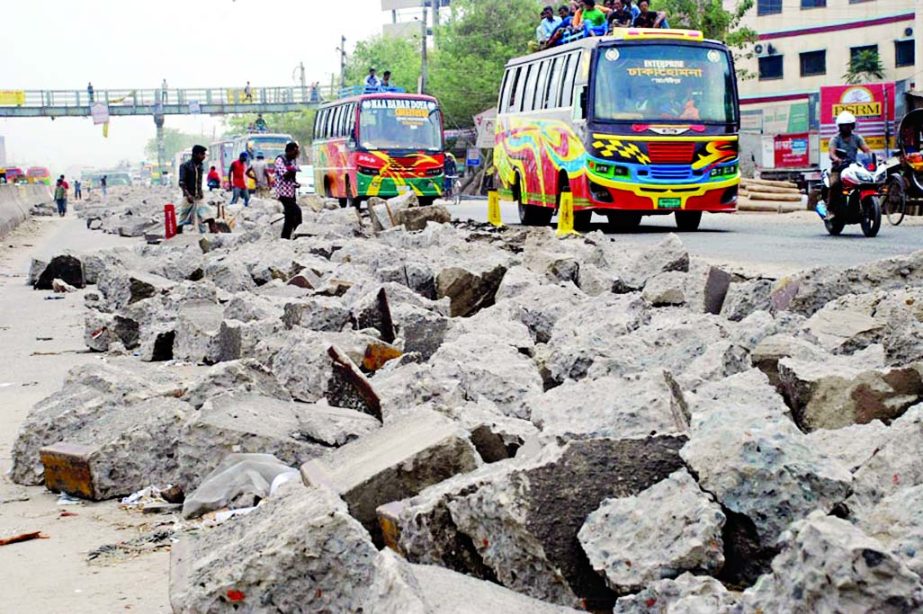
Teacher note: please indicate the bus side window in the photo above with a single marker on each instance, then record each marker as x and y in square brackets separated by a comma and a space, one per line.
[327, 119]
[541, 84]
[504, 92]
[516, 103]
[554, 83]
[567, 92]
[529, 98]
[314, 134]
[561, 101]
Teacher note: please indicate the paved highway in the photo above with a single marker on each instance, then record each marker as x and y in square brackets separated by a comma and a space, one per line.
[776, 244]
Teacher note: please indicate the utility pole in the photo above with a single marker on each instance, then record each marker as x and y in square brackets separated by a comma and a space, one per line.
[342, 51]
[304, 83]
[423, 33]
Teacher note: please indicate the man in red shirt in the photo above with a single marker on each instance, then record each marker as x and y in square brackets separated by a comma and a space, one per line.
[237, 177]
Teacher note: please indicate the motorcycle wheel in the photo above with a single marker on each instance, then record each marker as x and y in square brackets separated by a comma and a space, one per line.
[871, 216]
[834, 226]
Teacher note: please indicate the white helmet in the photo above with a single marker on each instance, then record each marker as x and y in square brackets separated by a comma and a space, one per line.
[845, 117]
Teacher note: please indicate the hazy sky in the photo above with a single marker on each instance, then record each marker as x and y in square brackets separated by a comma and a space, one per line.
[59, 44]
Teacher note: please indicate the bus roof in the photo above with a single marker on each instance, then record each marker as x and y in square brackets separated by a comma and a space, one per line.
[619, 34]
[379, 95]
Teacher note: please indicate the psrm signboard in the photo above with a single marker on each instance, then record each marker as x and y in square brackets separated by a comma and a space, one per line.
[873, 106]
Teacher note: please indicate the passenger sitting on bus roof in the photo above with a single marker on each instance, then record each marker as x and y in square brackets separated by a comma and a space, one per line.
[619, 15]
[260, 123]
[386, 80]
[546, 27]
[650, 19]
[594, 18]
[372, 81]
[563, 28]
[590, 15]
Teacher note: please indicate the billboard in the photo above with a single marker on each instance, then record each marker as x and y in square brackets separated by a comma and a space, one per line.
[791, 150]
[873, 106]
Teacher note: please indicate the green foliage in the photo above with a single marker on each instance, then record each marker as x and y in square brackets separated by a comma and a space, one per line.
[472, 50]
[299, 124]
[865, 67]
[399, 55]
[174, 142]
[715, 22]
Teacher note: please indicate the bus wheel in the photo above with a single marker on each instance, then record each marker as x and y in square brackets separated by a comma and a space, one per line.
[582, 220]
[623, 221]
[688, 221]
[426, 201]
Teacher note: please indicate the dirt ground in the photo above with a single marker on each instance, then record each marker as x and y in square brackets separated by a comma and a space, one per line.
[40, 340]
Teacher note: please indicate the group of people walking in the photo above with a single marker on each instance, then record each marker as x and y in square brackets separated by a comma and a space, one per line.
[196, 212]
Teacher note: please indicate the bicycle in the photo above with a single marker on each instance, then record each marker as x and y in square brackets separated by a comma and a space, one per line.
[895, 199]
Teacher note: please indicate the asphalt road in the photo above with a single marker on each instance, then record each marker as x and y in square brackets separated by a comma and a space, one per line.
[776, 244]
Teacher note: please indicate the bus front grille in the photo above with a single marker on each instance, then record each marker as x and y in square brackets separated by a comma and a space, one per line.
[671, 173]
[671, 153]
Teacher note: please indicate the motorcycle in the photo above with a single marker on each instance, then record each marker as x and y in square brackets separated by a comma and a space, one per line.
[860, 200]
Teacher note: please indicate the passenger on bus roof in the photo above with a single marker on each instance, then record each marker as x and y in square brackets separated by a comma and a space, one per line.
[386, 80]
[593, 18]
[620, 15]
[547, 26]
[650, 19]
[372, 81]
[563, 29]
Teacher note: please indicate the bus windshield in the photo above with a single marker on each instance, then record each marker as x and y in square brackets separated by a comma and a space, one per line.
[664, 82]
[389, 123]
[271, 147]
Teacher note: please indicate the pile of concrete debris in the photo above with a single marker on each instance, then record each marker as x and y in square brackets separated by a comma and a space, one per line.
[461, 418]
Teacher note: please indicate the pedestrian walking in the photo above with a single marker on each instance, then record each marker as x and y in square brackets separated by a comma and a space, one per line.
[237, 177]
[315, 92]
[194, 211]
[163, 91]
[78, 193]
[90, 91]
[60, 195]
[286, 167]
[248, 93]
[261, 174]
[103, 185]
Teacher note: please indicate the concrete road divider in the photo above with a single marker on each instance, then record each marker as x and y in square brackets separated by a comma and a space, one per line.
[16, 201]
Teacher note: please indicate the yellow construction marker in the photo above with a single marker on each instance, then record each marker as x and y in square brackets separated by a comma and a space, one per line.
[493, 209]
[566, 216]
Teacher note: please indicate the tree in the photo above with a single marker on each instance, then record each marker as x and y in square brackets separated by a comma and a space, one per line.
[472, 50]
[715, 22]
[399, 55]
[300, 124]
[174, 142]
[864, 66]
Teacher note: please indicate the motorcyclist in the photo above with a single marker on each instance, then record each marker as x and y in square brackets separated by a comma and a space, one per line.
[846, 141]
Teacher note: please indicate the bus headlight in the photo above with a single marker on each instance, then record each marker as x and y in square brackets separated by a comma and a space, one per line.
[725, 171]
[364, 170]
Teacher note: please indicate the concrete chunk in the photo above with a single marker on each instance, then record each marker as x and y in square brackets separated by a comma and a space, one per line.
[395, 462]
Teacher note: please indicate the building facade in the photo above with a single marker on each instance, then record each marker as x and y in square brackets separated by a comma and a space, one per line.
[807, 44]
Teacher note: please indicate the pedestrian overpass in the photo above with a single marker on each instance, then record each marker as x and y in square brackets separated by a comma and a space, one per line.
[160, 102]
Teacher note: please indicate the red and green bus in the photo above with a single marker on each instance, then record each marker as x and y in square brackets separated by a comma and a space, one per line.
[380, 144]
[641, 122]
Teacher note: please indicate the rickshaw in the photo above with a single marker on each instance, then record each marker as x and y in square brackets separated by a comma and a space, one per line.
[905, 178]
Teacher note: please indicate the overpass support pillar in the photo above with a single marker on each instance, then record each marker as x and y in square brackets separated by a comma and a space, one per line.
[158, 122]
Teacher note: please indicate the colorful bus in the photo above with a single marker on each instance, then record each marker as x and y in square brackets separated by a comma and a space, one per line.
[271, 145]
[220, 155]
[13, 174]
[380, 144]
[38, 174]
[642, 122]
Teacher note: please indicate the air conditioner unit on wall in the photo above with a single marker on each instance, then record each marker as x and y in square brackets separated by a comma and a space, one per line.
[763, 50]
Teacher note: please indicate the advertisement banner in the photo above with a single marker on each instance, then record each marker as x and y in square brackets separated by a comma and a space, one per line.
[873, 106]
[785, 118]
[100, 113]
[485, 123]
[12, 98]
[791, 150]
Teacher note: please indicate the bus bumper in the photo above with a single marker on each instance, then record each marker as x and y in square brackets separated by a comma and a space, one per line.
[718, 197]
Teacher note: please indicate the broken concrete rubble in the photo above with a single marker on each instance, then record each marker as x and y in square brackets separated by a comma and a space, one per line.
[661, 532]
[395, 462]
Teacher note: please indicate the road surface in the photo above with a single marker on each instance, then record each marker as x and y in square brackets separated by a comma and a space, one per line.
[772, 243]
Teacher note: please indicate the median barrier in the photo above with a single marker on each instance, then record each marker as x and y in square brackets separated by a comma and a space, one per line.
[16, 202]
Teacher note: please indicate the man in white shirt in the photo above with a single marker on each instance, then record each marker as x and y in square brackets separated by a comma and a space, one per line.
[372, 81]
